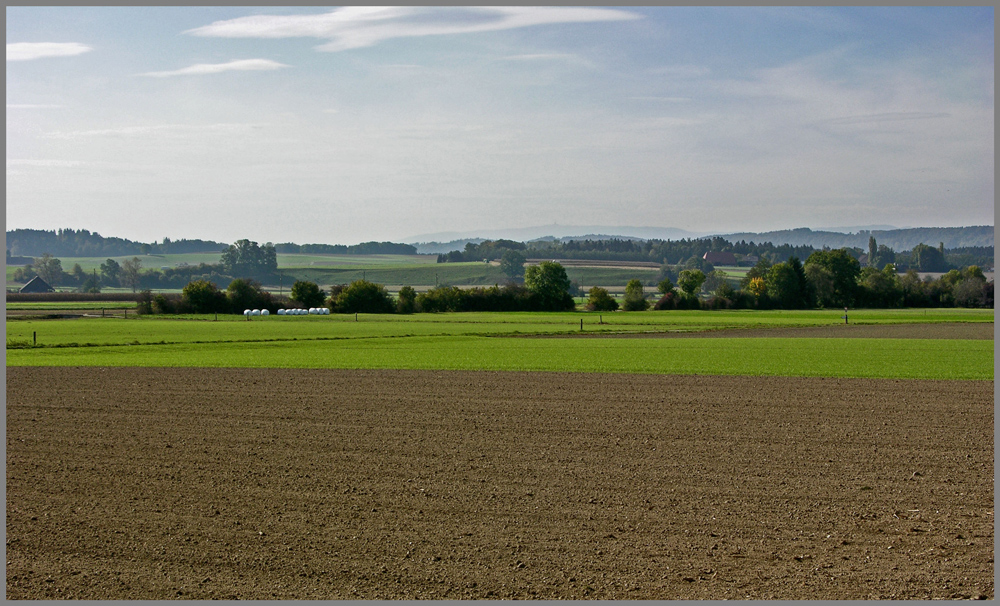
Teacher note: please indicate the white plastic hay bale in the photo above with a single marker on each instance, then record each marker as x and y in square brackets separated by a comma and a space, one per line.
[246, 312]
[265, 312]
[281, 312]
[325, 311]
[255, 312]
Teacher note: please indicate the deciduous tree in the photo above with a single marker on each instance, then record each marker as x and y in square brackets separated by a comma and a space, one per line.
[548, 280]
[362, 296]
[635, 298]
[690, 280]
[307, 293]
[512, 264]
[601, 300]
[129, 275]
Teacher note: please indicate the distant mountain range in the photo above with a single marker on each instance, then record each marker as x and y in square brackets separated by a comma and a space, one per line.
[899, 239]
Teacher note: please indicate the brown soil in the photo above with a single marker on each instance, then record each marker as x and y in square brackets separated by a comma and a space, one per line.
[199, 483]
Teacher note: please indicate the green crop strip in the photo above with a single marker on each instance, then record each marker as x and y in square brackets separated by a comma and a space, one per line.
[875, 358]
[483, 341]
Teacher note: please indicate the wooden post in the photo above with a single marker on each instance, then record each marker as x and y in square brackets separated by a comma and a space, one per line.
[581, 323]
[34, 338]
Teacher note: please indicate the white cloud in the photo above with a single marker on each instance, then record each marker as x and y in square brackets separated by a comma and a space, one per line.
[25, 51]
[358, 27]
[201, 69]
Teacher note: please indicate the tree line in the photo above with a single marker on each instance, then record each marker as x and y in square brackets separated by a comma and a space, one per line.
[923, 257]
[84, 243]
[245, 259]
[546, 288]
[827, 279]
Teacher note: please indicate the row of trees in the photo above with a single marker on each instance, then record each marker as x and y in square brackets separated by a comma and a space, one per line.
[671, 253]
[828, 278]
[84, 243]
[546, 288]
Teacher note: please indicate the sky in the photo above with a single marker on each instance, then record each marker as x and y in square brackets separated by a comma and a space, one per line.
[352, 124]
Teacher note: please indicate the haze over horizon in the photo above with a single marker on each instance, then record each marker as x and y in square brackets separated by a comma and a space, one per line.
[311, 124]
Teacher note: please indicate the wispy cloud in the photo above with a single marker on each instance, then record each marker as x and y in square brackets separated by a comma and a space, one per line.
[201, 69]
[681, 71]
[887, 117]
[567, 57]
[32, 106]
[25, 51]
[358, 27]
[43, 163]
[664, 99]
[175, 130]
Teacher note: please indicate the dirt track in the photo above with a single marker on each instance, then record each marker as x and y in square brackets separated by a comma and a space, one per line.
[943, 330]
[195, 483]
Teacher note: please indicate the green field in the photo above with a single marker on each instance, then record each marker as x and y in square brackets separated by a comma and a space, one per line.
[70, 305]
[393, 270]
[493, 341]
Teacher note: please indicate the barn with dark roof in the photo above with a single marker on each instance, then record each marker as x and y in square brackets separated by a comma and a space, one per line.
[720, 258]
[36, 284]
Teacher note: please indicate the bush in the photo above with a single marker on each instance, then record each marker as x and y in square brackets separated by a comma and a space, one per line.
[406, 303]
[163, 305]
[600, 300]
[362, 296]
[635, 298]
[307, 293]
[203, 297]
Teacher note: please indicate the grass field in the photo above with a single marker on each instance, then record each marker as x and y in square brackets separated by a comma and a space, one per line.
[489, 341]
[394, 270]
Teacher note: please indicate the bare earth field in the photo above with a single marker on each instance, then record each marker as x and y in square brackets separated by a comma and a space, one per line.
[282, 484]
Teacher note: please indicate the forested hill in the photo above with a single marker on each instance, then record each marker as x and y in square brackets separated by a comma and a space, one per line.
[898, 239]
[83, 243]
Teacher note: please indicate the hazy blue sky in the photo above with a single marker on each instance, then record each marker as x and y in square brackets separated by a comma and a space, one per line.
[344, 125]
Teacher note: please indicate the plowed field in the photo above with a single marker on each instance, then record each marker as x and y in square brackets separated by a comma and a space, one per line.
[281, 484]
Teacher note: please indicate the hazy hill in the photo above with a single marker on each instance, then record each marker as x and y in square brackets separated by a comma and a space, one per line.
[555, 231]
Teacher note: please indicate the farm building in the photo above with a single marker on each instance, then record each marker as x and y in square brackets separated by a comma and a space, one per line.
[36, 284]
[720, 258]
